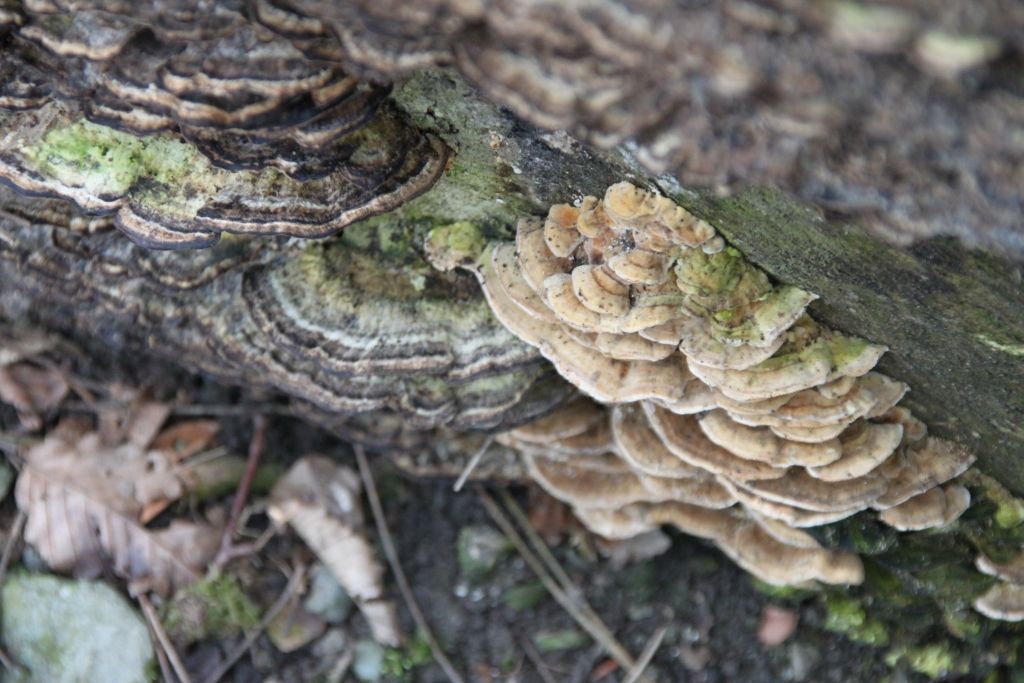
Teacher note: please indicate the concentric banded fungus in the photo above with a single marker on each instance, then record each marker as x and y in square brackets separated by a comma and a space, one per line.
[355, 327]
[724, 392]
[193, 122]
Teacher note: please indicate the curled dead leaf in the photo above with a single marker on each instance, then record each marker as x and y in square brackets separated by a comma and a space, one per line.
[319, 499]
[85, 502]
[32, 390]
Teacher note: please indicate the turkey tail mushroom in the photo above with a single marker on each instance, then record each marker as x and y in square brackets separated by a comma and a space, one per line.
[722, 393]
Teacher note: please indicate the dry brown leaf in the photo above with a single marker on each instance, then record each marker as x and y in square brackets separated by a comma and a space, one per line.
[32, 390]
[20, 343]
[319, 499]
[78, 526]
[83, 502]
[185, 439]
[550, 517]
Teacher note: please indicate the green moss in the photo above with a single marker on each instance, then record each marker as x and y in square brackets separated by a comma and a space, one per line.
[454, 244]
[936, 660]
[787, 593]
[1016, 350]
[214, 607]
[1009, 512]
[399, 662]
[847, 616]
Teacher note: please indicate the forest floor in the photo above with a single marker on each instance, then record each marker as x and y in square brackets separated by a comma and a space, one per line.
[486, 607]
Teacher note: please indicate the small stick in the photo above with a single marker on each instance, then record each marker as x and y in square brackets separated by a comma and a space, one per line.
[591, 623]
[538, 664]
[163, 640]
[471, 465]
[256, 446]
[12, 540]
[392, 555]
[229, 410]
[647, 655]
[294, 581]
[5, 560]
[161, 657]
[340, 668]
[542, 549]
[8, 662]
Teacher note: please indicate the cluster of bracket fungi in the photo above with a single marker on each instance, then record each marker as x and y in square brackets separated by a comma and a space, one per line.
[200, 122]
[716, 404]
[713, 401]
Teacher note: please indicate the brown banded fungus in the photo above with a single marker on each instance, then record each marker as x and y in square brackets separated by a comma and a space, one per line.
[721, 393]
[192, 121]
[368, 339]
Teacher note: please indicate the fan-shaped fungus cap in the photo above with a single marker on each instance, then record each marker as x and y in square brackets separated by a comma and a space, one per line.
[166, 194]
[759, 443]
[683, 437]
[778, 563]
[638, 445]
[810, 357]
[1003, 601]
[935, 507]
[924, 465]
[606, 482]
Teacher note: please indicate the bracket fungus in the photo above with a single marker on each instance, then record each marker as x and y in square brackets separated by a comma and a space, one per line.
[353, 327]
[728, 411]
[683, 82]
[189, 122]
[1004, 600]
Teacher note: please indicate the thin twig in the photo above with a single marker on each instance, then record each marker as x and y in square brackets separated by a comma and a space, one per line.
[543, 550]
[471, 465]
[161, 658]
[195, 409]
[294, 581]
[256, 446]
[163, 641]
[8, 663]
[13, 536]
[12, 540]
[340, 667]
[647, 655]
[538, 664]
[584, 616]
[231, 410]
[567, 584]
[396, 568]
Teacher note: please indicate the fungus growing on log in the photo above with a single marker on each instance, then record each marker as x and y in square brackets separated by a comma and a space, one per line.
[347, 326]
[185, 129]
[683, 81]
[722, 392]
